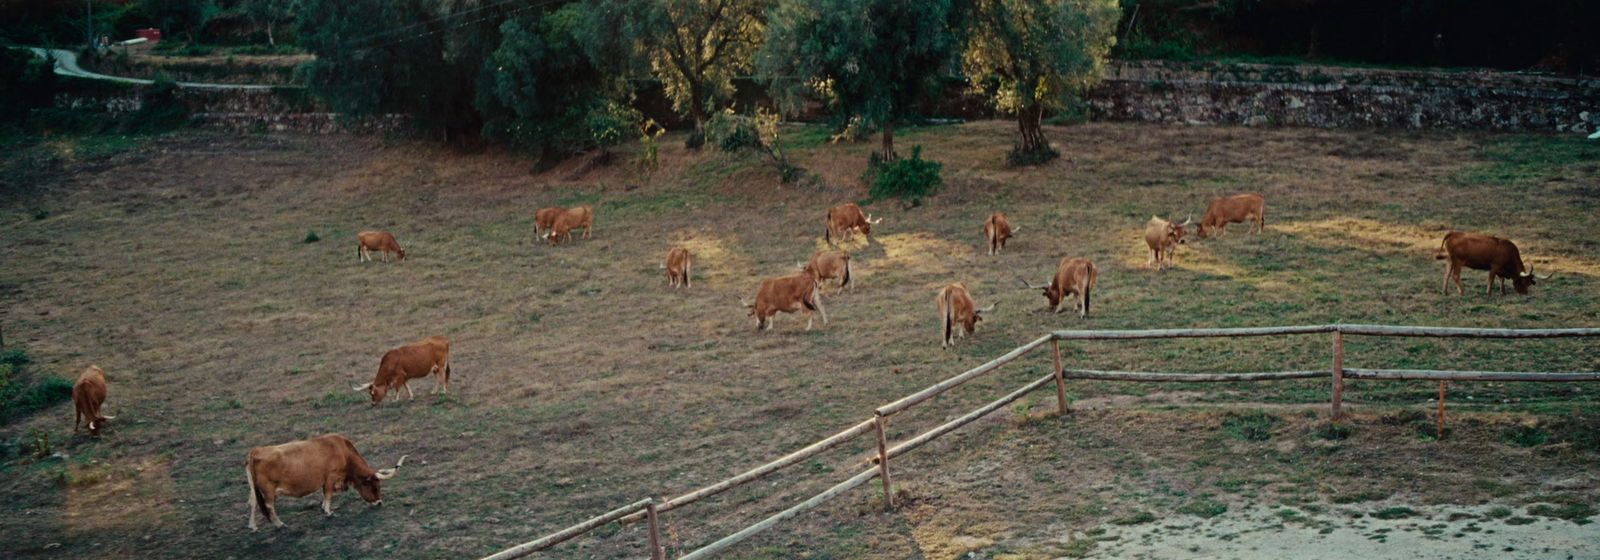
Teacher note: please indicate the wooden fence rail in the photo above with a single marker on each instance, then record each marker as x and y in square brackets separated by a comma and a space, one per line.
[649, 507]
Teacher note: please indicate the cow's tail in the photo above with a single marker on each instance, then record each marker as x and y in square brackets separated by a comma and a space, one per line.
[827, 228]
[258, 501]
[1439, 256]
[845, 282]
[1088, 288]
[946, 309]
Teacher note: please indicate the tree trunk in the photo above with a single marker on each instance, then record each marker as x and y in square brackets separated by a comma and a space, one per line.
[1030, 126]
[270, 40]
[888, 140]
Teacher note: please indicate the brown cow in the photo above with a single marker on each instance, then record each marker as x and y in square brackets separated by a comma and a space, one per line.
[1248, 207]
[1073, 276]
[328, 463]
[997, 230]
[845, 219]
[827, 265]
[678, 266]
[88, 395]
[571, 219]
[545, 219]
[1482, 252]
[419, 359]
[795, 292]
[369, 241]
[1163, 238]
[957, 309]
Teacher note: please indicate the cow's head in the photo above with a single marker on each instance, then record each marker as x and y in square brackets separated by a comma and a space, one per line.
[1177, 232]
[401, 252]
[1525, 279]
[867, 223]
[375, 390]
[370, 486]
[1050, 292]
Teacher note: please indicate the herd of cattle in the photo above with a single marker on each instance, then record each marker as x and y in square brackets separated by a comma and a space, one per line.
[331, 464]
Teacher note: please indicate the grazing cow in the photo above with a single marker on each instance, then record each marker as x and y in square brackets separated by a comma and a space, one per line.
[997, 230]
[957, 309]
[845, 219]
[1482, 252]
[369, 241]
[571, 219]
[827, 265]
[1073, 276]
[328, 463]
[1249, 207]
[88, 395]
[678, 264]
[419, 359]
[545, 219]
[795, 292]
[1163, 238]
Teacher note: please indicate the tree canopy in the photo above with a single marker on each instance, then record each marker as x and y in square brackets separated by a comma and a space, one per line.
[697, 47]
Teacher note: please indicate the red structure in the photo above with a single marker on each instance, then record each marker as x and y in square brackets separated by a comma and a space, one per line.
[150, 33]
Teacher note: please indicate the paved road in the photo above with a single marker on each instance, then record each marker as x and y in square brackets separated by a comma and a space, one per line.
[67, 65]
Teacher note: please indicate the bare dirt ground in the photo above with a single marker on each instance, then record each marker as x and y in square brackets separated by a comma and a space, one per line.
[582, 382]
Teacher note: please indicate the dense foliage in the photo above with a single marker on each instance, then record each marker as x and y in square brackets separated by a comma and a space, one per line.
[876, 59]
[697, 47]
[907, 179]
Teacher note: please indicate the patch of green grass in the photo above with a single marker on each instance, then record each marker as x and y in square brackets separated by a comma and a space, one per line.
[1498, 512]
[1249, 426]
[1397, 512]
[1204, 507]
[1358, 497]
[1078, 548]
[1333, 431]
[1520, 521]
[1134, 518]
[1526, 160]
[1576, 513]
[1523, 435]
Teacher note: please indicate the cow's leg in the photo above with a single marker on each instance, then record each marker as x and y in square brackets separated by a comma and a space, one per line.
[1490, 291]
[409, 394]
[1444, 287]
[688, 270]
[272, 507]
[327, 500]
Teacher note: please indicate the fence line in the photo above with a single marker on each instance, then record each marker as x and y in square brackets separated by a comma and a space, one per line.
[649, 507]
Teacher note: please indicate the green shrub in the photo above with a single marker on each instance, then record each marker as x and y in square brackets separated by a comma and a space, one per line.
[1333, 431]
[1394, 513]
[311, 237]
[1019, 157]
[20, 395]
[732, 132]
[161, 110]
[906, 178]
[1525, 436]
[1249, 426]
[1204, 507]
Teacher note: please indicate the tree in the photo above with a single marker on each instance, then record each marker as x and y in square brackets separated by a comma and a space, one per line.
[875, 59]
[1034, 55]
[546, 88]
[269, 13]
[696, 47]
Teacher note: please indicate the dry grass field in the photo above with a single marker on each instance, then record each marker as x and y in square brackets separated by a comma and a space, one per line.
[582, 382]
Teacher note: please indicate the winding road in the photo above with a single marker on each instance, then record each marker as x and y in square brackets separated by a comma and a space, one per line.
[66, 63]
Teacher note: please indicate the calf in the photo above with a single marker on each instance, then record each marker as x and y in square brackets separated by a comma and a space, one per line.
[1248, 207]
[328, 463]
[88, 395]
[1482, 252]
[1073, 276]
[383, 241]
[678, 265]
[400, 365]
[957, 309]
[845, 219]
[827, 265]
[796, 292]
[574, 218]
[1163, 238]
[997, 230]
[545, 219]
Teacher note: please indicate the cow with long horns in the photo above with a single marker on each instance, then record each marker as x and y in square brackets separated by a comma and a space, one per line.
[828, 265]
[845, 219]
[958, 315]
[88, 396]
[1163, 238]
[429, 356]
[1073, 277]
[1483, 252]
[997, 230]
[329, 463]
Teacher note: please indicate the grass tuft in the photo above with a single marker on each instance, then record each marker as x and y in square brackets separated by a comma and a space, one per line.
[1250, 426]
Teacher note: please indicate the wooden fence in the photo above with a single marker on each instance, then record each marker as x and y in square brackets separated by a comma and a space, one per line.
[649, 508]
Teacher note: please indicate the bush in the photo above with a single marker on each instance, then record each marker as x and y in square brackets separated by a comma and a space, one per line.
[19, 396]
[311, 237]
[1333, 431]
[908, 179]
[1526, 436]
[732, 132]
[160, 112]
[1018, 157]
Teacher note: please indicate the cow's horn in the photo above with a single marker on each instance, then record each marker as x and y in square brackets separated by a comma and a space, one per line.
[1026, 284]
[1190, 220]
[744, 303]
[872, 221]
[1545, 277]
[362, 387]
[989, 308]
[1015, 229]
[388, 473]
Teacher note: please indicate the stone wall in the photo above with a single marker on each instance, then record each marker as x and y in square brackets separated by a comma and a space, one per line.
[1339, 97]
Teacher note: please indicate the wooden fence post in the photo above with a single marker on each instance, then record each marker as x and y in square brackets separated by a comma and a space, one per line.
[1061, 381]
[1441, 412]
[1338, 375]
[883, 464]
[656, 552]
